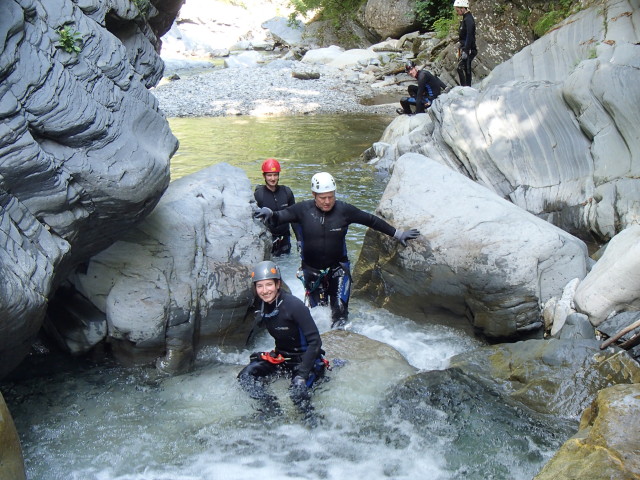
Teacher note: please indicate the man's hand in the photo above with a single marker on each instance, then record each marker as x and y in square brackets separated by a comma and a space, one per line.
[403, 236]
[464, 55]
[263, 213]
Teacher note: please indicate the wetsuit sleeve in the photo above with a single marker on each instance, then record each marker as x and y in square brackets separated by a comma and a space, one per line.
[310, 334]
[422, 85]
[287, 215]
[355, 215]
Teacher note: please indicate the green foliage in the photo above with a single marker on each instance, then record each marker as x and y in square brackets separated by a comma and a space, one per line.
[561, 10]
[428, 12]
[443, 26]
[70, 40]
[523, 17]
[334, 10]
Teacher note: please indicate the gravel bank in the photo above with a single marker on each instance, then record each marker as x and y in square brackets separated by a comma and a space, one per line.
[271, 89]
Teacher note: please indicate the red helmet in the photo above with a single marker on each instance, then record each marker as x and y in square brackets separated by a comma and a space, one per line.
[270, 165]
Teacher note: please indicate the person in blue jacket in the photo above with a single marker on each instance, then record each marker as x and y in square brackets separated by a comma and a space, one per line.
[428, 89]
[324, 222]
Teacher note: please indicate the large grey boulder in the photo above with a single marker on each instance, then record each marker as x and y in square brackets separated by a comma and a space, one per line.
[613, 284]
[391, 18]
[84, 150]
[555, 137]
[478, 255]
[181, 277]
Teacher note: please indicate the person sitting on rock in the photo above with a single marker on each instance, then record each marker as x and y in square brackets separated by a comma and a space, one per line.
[428, 89]
[324, 222]
[276, 197]
[297, 350]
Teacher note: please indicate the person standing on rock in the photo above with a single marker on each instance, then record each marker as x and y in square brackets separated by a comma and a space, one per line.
[297, 350]
[467, 50]
[428, 89]
[276, 197]
[324, 222]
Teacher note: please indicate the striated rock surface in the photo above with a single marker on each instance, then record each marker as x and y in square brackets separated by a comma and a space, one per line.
[181, 277]
[478, 255]
[607, 444]
[554, 133]
[84, 150]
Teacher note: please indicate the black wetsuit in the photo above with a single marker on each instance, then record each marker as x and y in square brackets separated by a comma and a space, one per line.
[428, 89]
[297, 338]
[324, 249]
[281, 198]
[468, 50]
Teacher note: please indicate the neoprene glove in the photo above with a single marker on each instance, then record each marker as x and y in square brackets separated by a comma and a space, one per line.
[403, 236]
[263, 213]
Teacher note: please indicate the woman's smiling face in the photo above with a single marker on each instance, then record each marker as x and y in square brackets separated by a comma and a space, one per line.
[267, 290]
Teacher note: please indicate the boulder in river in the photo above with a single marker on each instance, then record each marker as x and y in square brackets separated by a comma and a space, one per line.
[478, 255]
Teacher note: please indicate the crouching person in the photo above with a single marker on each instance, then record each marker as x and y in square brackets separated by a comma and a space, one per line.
[297, 351]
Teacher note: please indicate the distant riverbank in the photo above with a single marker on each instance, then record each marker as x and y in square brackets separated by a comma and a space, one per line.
[271, 89]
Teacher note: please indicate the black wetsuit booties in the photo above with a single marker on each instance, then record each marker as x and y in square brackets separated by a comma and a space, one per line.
[428, 89]
[324, 248]
[468, 50]
[281, 198]
[297, 339]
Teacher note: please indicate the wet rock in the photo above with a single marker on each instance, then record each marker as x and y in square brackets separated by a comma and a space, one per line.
[577, 327]
[461, 412]
[607, 444]
[11, 461]
[559, 377]
[478, 255]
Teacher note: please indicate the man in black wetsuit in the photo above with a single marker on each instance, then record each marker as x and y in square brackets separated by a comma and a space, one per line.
[324, 223]
[428, 89]
[276, 197]
[298, 345]
[467, 38]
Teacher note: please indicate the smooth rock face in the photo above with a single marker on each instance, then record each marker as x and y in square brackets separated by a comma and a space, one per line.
[181, 276]
[607, 444]
[613, 285]
[478, 255]
[84, 151]
[557, 133]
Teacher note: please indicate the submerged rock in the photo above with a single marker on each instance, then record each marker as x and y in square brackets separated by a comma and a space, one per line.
[607, 444]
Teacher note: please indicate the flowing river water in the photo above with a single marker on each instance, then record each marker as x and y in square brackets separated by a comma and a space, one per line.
[86, 421]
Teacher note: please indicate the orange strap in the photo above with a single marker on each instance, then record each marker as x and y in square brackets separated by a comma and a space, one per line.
[271, 357]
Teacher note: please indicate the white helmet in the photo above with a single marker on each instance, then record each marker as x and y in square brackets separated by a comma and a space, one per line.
[461, 3]
[322, 182]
